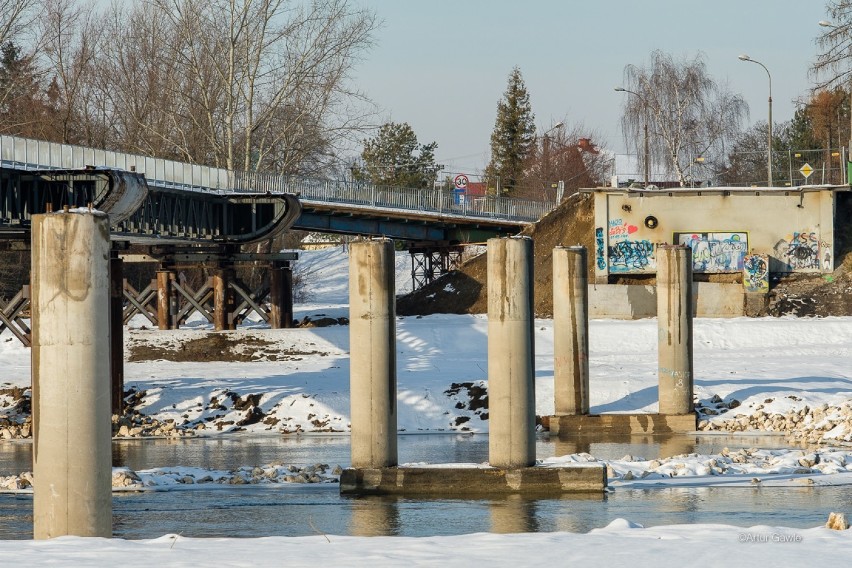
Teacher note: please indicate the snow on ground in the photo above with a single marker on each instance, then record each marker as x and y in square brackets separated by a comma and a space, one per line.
[780, 365]
[621, 543]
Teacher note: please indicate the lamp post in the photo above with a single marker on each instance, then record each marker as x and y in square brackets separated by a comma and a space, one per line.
[769, 147]
[545, 149]
[827, 24]
[645, 129]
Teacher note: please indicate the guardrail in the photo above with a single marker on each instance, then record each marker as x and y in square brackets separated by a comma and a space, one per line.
[29, 154]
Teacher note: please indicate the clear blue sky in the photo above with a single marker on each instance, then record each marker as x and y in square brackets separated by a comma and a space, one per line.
[442, 65]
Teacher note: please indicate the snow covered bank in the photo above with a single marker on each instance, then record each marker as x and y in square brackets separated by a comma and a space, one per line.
[621, 543]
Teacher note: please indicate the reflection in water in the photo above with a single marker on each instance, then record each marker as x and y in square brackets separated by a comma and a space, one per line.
[319, 509]
[374, 516]
[514, 514]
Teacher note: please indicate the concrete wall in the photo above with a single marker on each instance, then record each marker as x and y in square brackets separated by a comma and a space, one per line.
[795, 228]
[618, 301]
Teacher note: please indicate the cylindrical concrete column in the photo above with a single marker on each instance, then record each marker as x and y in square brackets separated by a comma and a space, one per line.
[372, 354]
[674, 327]
[71, 375]
[511, 357]
[116, 332]
[570, 330]
[164, 298]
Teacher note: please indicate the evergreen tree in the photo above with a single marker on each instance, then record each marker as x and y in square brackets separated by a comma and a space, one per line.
[394, 157]
[513, 138]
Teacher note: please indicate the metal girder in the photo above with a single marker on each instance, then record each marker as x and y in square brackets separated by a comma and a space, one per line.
[142, 213]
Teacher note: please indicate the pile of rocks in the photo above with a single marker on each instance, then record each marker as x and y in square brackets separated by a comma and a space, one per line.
[124, 478]
[821, 424]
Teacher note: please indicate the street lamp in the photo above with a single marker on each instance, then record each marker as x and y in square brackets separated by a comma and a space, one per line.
[647, 143]
[769, 147]
[827, 24]
[545, 149]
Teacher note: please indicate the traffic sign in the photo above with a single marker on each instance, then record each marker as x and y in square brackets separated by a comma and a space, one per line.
[806, 170]
[461, 181]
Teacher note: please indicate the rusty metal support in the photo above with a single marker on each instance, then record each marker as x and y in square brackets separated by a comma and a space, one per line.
[116, 332]
[164, 298]
[281, 296]
[223, 299]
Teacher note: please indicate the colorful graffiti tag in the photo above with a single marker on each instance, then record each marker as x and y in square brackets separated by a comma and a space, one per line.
[631, 256]
[715, 252]
[620, 231]
[599, 248]
[800, 251]
[756, 273]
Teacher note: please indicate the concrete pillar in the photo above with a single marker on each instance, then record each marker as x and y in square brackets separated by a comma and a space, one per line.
[570, 330]
[71, 375]
[280, 296]
[164, 298]
[511, 357]
[674, 328]
[116, 332]
[223, 299]
[372, 359]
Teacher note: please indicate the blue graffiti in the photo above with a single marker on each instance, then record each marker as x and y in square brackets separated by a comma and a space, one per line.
[630, 255]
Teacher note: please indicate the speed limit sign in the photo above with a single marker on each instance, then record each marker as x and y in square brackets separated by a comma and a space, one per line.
[461, 181]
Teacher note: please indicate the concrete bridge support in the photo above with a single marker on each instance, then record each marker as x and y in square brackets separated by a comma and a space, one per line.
[372, 347]
[570, 330]
[674, 327]
[511, 357]
[71, 375]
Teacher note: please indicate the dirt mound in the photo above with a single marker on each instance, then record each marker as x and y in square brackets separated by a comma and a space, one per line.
[463, 291]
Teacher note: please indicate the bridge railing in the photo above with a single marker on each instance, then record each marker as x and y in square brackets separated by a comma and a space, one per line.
[364, 194]
[24, 153]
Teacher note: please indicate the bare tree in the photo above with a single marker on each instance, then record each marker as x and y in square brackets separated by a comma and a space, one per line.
[262, 76]
[68, 44]
[15, 18]
[567, 154]
[688, 114]
[833, 65]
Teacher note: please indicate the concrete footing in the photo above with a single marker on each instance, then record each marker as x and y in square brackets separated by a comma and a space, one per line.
[621, 424]
[473, 481]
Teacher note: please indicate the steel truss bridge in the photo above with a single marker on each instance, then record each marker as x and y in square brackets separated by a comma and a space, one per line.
[164, 201]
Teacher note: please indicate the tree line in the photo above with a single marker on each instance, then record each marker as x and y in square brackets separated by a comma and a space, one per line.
[240, 84]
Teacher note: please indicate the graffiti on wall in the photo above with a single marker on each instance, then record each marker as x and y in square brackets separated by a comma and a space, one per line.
[801, 251]
[631, 256]
[756, 273]
[599, 248]
[620, 231]
[715, 252]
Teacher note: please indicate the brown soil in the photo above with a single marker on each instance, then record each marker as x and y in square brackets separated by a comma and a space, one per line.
[214, 347]
[464, 291]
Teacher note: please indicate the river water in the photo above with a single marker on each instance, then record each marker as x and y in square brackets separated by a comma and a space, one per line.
[298, 510]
